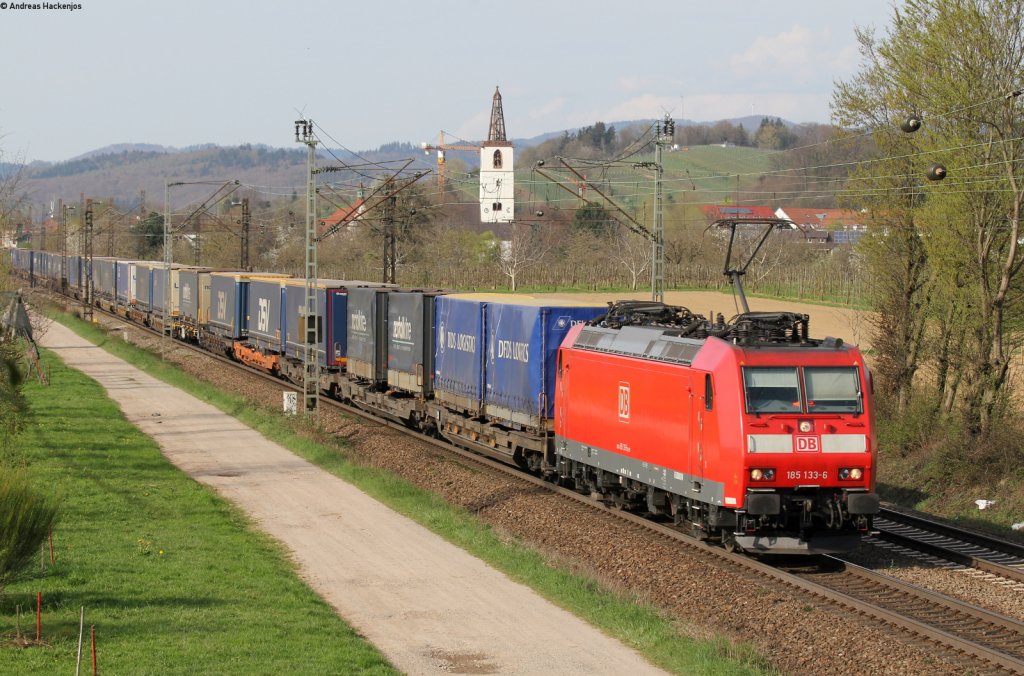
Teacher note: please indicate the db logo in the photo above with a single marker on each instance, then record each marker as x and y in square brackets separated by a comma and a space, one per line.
[624, 402]
[808, 445]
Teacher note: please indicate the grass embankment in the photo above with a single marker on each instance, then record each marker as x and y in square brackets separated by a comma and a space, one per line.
[635, 623]
[172, 576]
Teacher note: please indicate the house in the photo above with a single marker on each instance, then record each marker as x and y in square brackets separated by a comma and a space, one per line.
[343, 216]
[836, 226]
[714, 212]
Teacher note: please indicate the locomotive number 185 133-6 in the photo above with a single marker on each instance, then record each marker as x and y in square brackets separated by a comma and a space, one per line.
[807, 474]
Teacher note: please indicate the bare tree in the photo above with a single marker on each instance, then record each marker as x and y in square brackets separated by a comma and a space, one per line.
[634, 253]
[11, 197]
[524, 247]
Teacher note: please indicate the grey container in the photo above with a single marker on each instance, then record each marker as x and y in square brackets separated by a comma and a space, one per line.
[194, 295]
[144, 285]
[410, 333]
[367, 333]
[159, 285]
[104, 278]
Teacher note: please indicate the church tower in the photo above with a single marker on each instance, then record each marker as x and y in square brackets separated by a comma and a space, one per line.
[497, 196]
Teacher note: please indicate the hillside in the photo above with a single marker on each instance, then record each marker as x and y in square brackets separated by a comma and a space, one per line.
[122, 175]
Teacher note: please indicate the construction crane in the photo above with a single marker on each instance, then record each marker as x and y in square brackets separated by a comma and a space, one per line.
[441, 147]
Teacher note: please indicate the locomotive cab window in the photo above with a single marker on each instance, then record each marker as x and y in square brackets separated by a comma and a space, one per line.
[772, 390]
[709, 393]
[832, 389]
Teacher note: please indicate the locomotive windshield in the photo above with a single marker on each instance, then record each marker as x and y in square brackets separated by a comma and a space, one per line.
[832, 389]
[825, 389]
[772, 390]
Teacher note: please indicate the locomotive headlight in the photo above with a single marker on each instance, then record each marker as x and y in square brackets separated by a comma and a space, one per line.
[756, 474]
[851, 473]
[761, 474]
[806, 426]
[856, 473]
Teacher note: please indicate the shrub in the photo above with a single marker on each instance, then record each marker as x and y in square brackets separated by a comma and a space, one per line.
[26, 517]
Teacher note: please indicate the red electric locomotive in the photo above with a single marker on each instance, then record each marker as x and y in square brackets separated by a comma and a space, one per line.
[749, 431]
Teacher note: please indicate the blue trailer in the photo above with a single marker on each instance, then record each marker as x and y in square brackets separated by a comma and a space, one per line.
[458, 352]
[523, 336]
[265, 306]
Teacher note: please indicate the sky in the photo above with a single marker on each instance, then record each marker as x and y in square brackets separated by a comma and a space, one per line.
[185, 72]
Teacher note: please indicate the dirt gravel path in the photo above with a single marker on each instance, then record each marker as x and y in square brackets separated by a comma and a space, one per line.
[427, 605]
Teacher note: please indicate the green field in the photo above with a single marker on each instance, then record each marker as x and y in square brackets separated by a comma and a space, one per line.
[173, 577]
[175, 580]
[697, 175]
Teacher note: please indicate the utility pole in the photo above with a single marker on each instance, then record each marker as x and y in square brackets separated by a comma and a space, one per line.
[390, 250]
[87, 263]
[246, 223]
[663, 132]
[197, 244]
[311, 370]
[110, 229]
[168, 255]
[64, 246]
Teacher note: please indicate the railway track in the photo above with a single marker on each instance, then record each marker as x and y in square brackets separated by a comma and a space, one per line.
[986, 553]
[982, 641]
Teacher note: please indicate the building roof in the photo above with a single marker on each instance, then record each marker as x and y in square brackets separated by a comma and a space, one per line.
[713, 212]
[827, 219]
[344, 214]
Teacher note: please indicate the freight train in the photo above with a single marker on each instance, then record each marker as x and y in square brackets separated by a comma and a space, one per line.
[746, 432]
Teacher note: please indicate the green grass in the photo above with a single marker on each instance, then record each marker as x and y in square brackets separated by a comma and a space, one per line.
[635, 623]
[172, 576]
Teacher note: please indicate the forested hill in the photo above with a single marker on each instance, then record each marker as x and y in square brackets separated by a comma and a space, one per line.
[122, 175]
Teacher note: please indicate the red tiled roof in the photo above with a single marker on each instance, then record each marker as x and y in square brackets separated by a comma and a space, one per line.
[823, 218]
[344, 214]
[713, 212]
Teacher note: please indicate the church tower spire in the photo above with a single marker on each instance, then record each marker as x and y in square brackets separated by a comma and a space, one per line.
[497, 129]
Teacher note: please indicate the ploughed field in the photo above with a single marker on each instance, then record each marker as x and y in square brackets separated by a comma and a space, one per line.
[838, 322]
